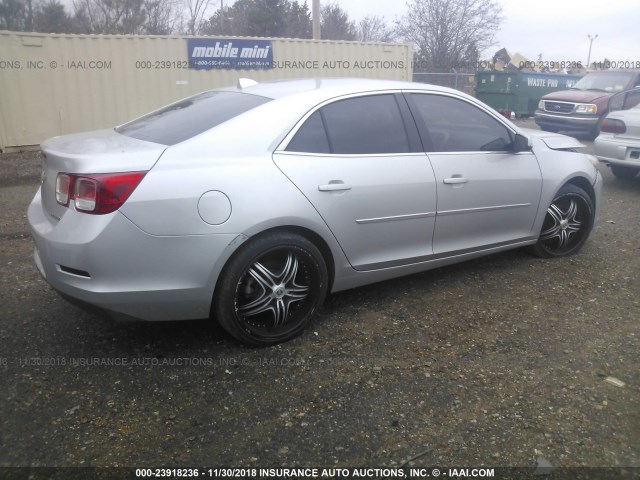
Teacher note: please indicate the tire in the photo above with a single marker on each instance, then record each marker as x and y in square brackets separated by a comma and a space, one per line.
[549, 129]
[270, 290]
[567, 224]
[623, 172]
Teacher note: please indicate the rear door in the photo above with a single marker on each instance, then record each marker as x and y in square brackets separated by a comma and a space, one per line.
[359, 161]
[487, 195]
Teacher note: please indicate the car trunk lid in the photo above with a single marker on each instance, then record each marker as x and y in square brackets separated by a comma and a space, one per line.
[101, 151]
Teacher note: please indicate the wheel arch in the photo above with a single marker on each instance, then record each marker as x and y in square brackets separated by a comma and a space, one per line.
[314, 238]
[226, 304]
[307, 233]
[585, 185]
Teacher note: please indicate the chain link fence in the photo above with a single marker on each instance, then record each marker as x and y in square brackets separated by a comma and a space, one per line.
[465, 82]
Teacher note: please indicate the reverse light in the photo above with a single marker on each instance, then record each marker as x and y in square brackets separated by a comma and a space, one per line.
[63, 187]
[85, 194]
[612, 125]
[586, 108]
[96, 193]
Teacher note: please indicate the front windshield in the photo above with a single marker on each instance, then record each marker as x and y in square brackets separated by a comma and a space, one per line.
[606, 82]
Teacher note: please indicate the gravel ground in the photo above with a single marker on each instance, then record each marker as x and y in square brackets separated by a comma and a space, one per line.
[498, 362]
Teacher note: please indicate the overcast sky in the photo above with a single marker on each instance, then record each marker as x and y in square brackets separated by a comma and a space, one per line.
[556, 28]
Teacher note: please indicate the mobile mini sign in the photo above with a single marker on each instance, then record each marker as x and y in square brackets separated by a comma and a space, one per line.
[229, 54]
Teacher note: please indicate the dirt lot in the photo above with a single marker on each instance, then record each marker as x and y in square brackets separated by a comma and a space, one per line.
[498, 362]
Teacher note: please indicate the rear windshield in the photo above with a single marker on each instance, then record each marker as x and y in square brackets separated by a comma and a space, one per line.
[187, 118]
[606, 82]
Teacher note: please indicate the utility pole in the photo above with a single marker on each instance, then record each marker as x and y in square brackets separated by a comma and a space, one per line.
[591, 39]
[315, 18]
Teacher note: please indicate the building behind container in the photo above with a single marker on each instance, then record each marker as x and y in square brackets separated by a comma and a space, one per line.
[56, 84]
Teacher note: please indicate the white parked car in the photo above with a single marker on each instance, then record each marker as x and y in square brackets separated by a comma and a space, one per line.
[618, 144]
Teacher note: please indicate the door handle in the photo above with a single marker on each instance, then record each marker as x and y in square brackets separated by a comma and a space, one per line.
[334, 187]
[455, 180]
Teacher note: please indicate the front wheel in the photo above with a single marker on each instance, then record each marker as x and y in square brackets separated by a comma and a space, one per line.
[623, 172]
[567, 224]
[270, 289]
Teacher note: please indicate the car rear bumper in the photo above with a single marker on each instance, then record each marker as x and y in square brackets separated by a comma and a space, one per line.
[581, 123]
[617, 151]
[108, 262]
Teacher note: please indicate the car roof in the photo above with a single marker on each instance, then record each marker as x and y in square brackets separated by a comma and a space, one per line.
[331, 87]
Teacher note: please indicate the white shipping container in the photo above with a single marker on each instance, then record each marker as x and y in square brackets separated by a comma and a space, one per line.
[56, 84]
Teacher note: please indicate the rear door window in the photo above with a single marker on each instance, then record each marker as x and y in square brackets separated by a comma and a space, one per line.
[311, 137]
[355, 126]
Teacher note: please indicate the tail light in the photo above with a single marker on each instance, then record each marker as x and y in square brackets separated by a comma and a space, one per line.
[611, 125]
[97, 194]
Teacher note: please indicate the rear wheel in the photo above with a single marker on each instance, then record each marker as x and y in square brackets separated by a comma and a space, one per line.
[567, 224]
[269, 291]
[624, 172]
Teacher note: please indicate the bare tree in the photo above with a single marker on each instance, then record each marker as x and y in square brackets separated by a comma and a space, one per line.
[16, 15]
[109, 16]
[196, 12]
[52, 17]
[447, 32]
[374, 28]
[335, 23]
[164, 17]
[30, 11]
[261, 18]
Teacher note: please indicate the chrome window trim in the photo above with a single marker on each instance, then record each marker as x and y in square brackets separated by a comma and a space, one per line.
[282, 147]
[483, 152]
[351, 155]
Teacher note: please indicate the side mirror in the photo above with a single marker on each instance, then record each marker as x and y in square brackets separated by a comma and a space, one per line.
[522, 143]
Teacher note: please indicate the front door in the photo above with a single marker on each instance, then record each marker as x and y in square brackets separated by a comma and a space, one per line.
[487, 195]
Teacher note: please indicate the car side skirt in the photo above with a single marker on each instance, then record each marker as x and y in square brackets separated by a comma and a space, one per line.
[350, 278]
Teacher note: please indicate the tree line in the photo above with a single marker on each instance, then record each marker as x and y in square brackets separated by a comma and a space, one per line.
[445, 33]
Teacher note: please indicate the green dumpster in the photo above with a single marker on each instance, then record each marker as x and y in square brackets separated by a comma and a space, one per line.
[519, 92]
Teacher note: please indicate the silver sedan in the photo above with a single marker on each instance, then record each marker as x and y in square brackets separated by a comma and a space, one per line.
[618, 144]
[250, 204]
